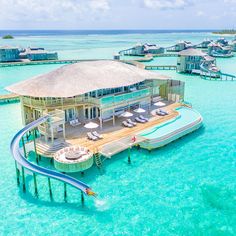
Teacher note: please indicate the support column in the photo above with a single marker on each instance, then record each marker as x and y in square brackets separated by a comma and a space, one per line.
[17, 174]
[65, 193]
[35, 148]
[23, 179]
[82, 198]
[52, 135]
[114, 121]
[64, 131]
[129, 155]
[50, 188]
[100, 119]
[23, 143]
[35, 186]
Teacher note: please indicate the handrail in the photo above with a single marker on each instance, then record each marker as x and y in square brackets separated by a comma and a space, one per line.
[20, 159]
[219, 73]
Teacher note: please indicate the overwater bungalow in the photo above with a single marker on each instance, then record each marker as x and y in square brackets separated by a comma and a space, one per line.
[234, 44]
[204, 44]
[68, 104]
[9, 54]
[223, 42]
[217, 50]
[143, 49]
[182, 45]
[38, 54]
[190, 61]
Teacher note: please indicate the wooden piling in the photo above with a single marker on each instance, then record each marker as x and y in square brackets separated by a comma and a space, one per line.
[24, 149]
[50, 188]
[65, 193]
[129, 153]
[17, 174]
[23, 179]
[35, 148]
[35, 186]
[82, 197]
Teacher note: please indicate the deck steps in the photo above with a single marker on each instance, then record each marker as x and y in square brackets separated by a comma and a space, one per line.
[98, 161]
[47, 150]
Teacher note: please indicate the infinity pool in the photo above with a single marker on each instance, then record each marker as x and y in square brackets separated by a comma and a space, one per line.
[186, 117]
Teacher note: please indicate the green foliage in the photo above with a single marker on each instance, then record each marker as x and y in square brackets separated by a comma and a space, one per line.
[8, 36]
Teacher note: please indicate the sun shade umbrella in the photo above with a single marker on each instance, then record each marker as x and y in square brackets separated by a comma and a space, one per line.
[91, 125]
[139, 110]
[159, 104]
[127, 114]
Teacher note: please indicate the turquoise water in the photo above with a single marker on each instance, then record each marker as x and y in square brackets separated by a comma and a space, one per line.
[185, 188]
[186, 116]
[11, 75]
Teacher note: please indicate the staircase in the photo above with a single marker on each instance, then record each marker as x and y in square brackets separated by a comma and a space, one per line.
[97, 159]
[48, 150]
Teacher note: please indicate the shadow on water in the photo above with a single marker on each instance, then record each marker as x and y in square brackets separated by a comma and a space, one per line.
[84, 209]
[94, 173]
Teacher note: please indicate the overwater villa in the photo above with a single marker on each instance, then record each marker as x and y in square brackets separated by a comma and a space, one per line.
[9, 54]
[234, 44]
[193, 60]
[182, 45]
[204, 44]
[142, 49]
[82, 112]
[37, 54]
[223, 42]
[217, 50]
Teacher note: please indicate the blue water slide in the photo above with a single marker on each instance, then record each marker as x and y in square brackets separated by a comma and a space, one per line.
[20, 159]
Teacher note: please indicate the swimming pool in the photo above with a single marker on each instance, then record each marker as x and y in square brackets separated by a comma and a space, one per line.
[187, 121]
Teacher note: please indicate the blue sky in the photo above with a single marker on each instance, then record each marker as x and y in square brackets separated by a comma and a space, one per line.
[117, 14]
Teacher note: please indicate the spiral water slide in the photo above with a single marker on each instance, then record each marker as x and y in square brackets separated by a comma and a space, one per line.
[22, 161]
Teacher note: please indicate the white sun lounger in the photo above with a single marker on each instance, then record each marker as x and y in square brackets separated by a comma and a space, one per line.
[131, 122]
[96, 134]
[91, 136]
[143, 118]
[126, 124]
[140, 120]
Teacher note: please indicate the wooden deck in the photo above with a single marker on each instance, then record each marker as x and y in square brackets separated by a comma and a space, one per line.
[117, 134]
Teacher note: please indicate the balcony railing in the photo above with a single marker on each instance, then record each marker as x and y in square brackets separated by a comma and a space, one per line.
[109, 100]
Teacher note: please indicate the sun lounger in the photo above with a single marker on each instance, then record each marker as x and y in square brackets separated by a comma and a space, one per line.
[74, 122]
[96, 134]
[131, 122]
[143, 118]
[126, 124]
[160, 113]
[91, 136]
[165, 112]
[140, 120]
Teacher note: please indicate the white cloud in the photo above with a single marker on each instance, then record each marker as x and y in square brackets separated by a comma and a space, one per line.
[200, 13]
[166, 4]
[102, 5]
[51, 10]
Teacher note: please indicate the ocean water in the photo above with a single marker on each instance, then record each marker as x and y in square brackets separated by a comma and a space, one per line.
[185, 188]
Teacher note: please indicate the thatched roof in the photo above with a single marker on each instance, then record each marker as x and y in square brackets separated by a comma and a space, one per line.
[192, 52]
[80, 78]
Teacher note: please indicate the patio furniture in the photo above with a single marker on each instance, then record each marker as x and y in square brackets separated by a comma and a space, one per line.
[143, 118]
[131, 122]
[140, 120]
[96, 134]
[91, 136]
[126, 124]
[74, 122]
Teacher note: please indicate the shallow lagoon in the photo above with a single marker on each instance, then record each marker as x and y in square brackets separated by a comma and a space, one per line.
[185, 188]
